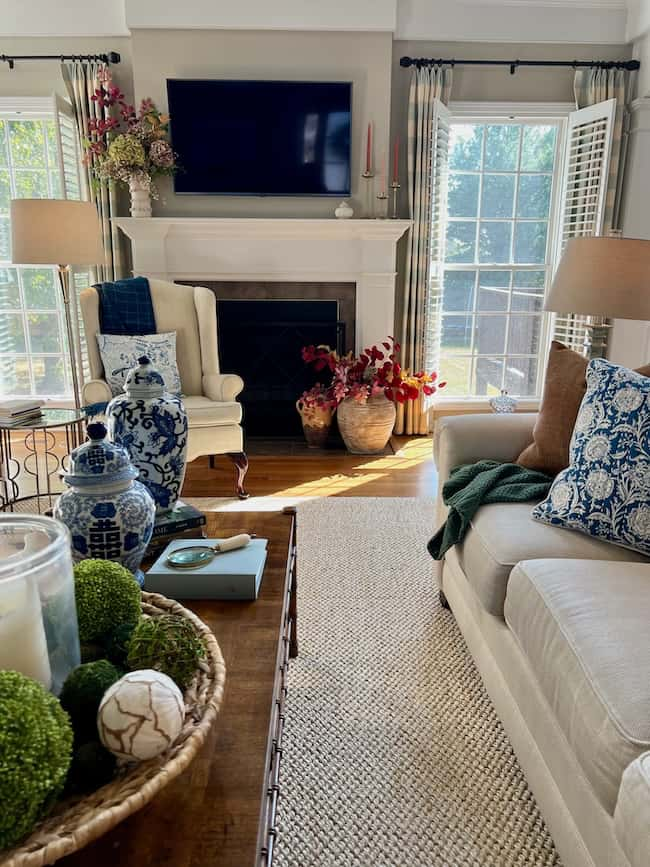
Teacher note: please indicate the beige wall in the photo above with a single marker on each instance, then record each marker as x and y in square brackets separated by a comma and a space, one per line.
[41, 78]
[363, 58]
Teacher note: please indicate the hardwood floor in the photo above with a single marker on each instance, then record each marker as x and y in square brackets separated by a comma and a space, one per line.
[409, 472]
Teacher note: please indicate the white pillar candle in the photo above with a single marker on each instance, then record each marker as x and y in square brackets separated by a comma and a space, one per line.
[23, 646]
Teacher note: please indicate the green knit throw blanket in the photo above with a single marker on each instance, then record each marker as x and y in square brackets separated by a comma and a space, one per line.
[473, 485]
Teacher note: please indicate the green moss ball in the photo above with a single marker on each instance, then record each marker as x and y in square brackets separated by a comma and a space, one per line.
[116, 644]
[92, 767]
[35, 753]
[82, 692]
[168, 644]
[107, 595]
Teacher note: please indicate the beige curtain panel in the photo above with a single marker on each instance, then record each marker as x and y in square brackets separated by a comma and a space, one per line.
[81, 80]
[427, 84]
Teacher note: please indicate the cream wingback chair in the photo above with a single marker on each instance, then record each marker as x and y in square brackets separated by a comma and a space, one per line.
[214, 415]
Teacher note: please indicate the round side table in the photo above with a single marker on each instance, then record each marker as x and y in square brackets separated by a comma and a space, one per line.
[32, 456]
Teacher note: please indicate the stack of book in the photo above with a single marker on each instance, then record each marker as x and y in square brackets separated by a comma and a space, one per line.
[183, 522]
[15, 412]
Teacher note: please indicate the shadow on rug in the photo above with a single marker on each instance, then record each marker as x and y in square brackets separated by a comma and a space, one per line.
[393, 754]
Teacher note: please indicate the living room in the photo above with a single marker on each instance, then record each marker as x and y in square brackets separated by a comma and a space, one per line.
[324, 433]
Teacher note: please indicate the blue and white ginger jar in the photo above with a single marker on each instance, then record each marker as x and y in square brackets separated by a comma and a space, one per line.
[110, 515]
[152, 425]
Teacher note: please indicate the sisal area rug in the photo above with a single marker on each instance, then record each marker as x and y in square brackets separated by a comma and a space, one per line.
[393, 754]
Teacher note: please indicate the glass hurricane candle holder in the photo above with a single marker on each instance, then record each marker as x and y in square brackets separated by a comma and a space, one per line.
[38, 617]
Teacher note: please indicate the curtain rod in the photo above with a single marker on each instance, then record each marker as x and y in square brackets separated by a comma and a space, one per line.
[10, 59]
[514, 64]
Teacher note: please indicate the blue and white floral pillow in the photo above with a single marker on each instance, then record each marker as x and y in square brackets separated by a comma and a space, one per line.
[605, 490]
[120, 352]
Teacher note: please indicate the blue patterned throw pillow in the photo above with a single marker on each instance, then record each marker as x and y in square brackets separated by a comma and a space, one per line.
[120, 352]
[605, 491]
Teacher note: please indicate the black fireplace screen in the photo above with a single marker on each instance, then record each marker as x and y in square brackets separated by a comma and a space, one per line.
[261, 341]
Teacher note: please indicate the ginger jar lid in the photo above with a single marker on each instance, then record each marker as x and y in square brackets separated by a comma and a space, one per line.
[99, 462]
[144, 380]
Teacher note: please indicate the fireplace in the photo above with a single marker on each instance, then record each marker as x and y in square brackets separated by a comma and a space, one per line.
[262, 328]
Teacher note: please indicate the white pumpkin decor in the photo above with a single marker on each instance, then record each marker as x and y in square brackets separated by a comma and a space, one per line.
[141, 715]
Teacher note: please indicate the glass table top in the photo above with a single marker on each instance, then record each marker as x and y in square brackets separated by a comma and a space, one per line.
[48, 418]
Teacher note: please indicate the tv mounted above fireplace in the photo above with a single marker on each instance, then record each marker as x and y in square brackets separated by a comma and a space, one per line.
[261, 138]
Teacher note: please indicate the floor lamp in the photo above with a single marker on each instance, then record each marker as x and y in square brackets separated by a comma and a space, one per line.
[50, 231]
[602, 278]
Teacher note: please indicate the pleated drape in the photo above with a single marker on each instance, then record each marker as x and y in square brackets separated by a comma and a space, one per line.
[81, 80]
[427, 84]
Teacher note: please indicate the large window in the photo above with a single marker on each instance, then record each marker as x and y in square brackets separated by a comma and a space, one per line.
[38, 159]
[498, 254]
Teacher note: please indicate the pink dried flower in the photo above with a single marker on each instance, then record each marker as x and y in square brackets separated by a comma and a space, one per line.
[161, 154]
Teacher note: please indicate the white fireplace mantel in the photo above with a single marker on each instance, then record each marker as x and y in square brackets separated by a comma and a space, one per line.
[292, 250]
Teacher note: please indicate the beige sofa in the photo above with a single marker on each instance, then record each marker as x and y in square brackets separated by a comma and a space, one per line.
[558, 624]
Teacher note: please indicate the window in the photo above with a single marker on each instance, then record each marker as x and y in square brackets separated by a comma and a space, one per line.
[497, 254]
[38, 159]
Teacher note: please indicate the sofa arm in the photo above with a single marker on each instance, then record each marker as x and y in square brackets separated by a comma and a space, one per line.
[95, 391]
[632, 814]
[222, 386]
[464, 439]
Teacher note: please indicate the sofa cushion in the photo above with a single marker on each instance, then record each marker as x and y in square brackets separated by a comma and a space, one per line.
[605, 490]
[502, 534]
[565, 384]
[203, 412]
[584, 628]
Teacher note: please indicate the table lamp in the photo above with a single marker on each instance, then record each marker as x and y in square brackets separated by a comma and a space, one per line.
[61, 233]
[602, 278]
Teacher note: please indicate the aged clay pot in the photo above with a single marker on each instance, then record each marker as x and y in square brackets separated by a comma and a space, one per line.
[366, 427]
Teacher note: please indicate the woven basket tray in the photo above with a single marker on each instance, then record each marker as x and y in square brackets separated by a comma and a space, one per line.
[76, 822]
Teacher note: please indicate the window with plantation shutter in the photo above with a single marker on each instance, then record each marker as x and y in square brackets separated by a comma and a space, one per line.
[38, 159]
[583, 194]
[439, 172]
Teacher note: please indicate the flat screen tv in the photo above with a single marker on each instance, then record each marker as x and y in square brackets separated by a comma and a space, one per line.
[261, 138]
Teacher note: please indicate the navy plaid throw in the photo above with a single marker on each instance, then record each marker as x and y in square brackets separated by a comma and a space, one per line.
[125, 307]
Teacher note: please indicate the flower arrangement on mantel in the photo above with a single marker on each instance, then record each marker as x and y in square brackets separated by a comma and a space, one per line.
[128, 146]
[364, 390]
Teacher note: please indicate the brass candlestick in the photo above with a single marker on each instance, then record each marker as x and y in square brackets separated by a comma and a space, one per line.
[382, 205]
[368, 175]
[395, 186]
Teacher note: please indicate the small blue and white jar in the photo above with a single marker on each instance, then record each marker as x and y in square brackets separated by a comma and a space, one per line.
[110, 515]
[151, 424]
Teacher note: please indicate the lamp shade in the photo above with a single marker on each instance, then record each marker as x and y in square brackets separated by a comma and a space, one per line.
[55, 232]
[601, 276]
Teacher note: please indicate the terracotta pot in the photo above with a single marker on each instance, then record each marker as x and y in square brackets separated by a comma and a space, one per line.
[366, 427]
[316, 423]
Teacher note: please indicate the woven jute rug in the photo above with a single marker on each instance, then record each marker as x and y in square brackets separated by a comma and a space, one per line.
[393, 753]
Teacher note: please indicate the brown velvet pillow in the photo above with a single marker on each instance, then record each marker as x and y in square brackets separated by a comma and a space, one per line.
[564, 389]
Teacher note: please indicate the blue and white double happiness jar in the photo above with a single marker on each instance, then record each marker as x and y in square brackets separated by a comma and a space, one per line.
[151, 424]
[110, 515]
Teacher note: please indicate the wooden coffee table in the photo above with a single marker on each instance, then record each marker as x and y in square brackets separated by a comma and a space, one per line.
[221, 811]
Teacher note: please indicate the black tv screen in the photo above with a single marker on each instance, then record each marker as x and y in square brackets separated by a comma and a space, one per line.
[261, 138]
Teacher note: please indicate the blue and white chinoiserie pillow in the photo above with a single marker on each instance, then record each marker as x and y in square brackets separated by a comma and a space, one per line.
[605, 490]
[120, 352]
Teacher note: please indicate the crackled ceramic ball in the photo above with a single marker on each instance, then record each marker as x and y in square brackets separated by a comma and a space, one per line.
[141, 715]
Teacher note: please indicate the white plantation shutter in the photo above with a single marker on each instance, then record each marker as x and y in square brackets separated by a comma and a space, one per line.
[583, 194]
[73, 188]
[439, 176]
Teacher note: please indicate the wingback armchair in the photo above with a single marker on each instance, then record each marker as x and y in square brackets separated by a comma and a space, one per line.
[214, 414]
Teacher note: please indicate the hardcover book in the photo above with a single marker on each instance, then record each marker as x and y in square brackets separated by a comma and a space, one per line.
[181, 517]
[235, 575]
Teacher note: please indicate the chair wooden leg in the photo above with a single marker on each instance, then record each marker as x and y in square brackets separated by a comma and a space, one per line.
[240, 461]
[213, 462]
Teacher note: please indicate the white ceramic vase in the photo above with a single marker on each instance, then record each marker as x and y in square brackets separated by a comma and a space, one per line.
[343, 211]
[140, 197]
